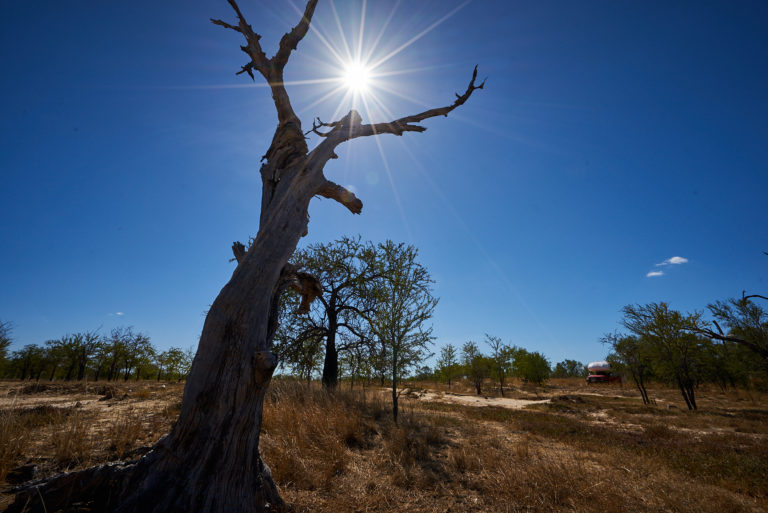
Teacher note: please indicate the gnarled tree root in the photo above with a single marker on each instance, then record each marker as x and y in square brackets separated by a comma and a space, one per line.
[93, 489]
[122, 486]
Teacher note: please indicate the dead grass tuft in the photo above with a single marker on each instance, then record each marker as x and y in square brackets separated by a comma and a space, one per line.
[71, 442]
[13, 440]
[123, 433]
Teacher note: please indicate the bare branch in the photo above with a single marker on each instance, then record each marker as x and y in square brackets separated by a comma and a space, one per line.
[728, 338]
[226, 25]
[344, 196]
[291, 40]
[259, 59]
[743, 296]
[351, 127]
[442, 111]
[722, 333]
[317, 124]
[248, 68]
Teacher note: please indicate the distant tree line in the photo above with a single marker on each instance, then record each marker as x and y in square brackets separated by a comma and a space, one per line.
[123, 354]
[369, 324]
[501, 363]
[685, 350]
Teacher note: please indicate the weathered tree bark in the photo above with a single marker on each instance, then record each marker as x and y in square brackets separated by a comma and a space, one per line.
[210, 461]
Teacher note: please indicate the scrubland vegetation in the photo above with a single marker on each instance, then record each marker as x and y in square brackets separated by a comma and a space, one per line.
[588, 449]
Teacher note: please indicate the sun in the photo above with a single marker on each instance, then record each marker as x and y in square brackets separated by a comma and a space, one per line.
[357, 77]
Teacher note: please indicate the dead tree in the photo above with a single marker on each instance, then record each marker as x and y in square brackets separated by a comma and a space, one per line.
[210, 460]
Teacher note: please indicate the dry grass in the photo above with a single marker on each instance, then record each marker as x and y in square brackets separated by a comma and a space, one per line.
[588, 450]
[71, 440]
[47, 428]
[13, 443]
[123, 433]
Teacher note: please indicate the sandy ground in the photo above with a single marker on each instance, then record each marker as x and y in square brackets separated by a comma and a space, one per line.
[476, 400]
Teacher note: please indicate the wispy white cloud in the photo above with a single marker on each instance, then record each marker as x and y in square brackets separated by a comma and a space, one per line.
[653, 274]
[119, 313]
[675, 260]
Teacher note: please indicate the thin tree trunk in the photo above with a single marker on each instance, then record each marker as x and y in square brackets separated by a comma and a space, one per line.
[394, 399]
[684, 392]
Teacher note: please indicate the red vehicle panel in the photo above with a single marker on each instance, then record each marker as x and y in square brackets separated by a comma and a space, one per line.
[602, 378]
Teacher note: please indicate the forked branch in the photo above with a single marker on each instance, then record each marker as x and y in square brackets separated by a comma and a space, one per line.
[259, 59]
[272, 68]
[291, 40]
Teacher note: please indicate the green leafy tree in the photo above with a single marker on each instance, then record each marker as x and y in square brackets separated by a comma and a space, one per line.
[303, 355]
[100, 357]
[424, 373]
[501, 356]
[185, 367]
[169, 363]
[115, 350]
[531, 367]
[356, 363]
[746, 323]
[138, 352]
[85, 346]
[404, 304]
[631, 356]
[448, 367]
[477, 366]
[676, 351]
[728, 364]
[59, 354]
[342, 268]
[28, 361]
[5, 342]
[569, 369]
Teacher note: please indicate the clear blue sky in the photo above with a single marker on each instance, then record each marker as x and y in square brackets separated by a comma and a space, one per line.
[611, 136]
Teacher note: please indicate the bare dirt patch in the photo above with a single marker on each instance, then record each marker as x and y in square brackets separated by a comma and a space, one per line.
[477, 400]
